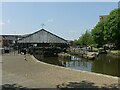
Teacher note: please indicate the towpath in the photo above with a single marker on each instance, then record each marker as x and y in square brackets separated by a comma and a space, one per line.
[34, 74]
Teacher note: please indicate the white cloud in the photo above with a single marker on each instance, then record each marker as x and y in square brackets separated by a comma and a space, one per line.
[2, 23]
[8, 21]
[50, 20]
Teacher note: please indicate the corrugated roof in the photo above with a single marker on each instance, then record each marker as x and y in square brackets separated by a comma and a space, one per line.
[42, 36]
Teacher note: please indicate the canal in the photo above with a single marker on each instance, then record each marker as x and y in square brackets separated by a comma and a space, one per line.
[105, 64]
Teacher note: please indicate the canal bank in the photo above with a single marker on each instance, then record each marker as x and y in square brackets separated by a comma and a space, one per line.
[88, 77]
[104, 63]
[35, 74]
[114, 53]
[92, 73]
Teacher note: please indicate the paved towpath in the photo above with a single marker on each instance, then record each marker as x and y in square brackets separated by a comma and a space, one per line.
[34, 74]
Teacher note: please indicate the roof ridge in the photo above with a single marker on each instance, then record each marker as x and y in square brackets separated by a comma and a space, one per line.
[40, 31]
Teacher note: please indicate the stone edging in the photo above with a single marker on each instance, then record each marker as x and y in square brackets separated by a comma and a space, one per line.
[108, 76]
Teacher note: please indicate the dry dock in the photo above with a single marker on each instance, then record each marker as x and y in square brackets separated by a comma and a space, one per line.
[31, 73]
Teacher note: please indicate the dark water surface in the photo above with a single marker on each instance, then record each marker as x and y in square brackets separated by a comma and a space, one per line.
[105, 64]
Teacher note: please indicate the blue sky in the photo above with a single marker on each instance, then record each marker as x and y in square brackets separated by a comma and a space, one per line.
[66, 19]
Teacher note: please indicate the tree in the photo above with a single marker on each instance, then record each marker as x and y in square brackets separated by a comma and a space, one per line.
[97, 33]
[108, 30]
[112, 27]
[85, 39]
[77, 42]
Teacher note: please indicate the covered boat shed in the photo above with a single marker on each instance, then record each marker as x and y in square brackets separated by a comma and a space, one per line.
[42, 40]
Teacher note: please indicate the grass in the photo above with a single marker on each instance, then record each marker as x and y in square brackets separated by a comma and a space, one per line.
[115, 51]
[95, 49]
[65, 54]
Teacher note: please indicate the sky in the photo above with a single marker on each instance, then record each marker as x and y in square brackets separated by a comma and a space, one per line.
[68, 20]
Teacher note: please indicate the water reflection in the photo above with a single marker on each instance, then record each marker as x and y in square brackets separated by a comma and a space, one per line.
[107, 65]
[77, 63]
[104, 64]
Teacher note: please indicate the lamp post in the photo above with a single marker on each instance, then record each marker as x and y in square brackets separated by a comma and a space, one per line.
[15, 41]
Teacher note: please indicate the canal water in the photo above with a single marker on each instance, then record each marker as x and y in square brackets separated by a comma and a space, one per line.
[105, 64]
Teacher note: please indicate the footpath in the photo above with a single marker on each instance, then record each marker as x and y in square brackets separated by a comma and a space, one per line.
[32, 73]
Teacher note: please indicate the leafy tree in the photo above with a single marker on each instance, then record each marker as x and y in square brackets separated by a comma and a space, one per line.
[112, 29]
[108, 30]
[77, 42]
[85, 39]
[98, 33]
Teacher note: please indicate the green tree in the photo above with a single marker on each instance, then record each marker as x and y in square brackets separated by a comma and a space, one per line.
[86, 38]
[112, 27]
[98, 33]
[108, 30]
[77, 42]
